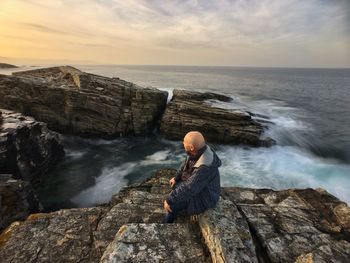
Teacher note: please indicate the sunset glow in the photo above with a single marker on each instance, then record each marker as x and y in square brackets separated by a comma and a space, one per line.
[311, 33]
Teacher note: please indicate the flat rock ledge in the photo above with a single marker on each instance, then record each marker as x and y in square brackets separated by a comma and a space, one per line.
[73, 102]
[247, 225]
[190, 110]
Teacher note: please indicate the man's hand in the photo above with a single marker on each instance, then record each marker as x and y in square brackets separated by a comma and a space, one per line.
[167, 207]
[172, 182]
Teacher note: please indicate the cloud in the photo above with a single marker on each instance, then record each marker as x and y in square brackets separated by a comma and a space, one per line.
[178, 26]
[42, 28]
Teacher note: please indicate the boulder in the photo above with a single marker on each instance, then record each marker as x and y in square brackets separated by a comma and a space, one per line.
[28, 149]
[189, 111]
[74, 102]
[247, 225]
[17, 200]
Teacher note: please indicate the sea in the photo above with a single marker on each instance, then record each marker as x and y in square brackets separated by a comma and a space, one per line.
[309, 108]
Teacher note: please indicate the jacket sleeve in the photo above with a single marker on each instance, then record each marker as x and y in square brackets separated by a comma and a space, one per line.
[192, 186]
[179, 171]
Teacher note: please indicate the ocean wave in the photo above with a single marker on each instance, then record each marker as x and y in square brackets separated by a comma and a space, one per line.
[281, 167]
[108, 183]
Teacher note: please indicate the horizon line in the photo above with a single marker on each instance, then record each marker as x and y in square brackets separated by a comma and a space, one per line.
[172, 65]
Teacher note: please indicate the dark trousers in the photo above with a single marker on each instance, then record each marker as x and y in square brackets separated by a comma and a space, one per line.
[176, 208]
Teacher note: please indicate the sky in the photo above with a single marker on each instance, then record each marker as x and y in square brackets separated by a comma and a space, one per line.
[263, 33]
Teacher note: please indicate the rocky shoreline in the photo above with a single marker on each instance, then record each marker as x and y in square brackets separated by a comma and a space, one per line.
[28, 149]
[248, 225]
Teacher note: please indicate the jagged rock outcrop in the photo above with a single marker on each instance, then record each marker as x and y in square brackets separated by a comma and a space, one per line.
[71, 101]
[17, 200]
[291, 225]
[188, 111]
[248, 225]
[5, 65]
[28, 149]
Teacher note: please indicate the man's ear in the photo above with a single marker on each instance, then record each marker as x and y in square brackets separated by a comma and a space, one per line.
[193, 149]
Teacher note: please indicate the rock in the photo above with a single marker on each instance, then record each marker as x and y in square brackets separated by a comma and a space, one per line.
[28, 149]
[226, 234]
[200, 96]
[82, 234]
[5, 65]
[17, 200]
[156, 243]
[294, 225]
[62, 236]
[188, 111]
[74, 102]
[247, 225]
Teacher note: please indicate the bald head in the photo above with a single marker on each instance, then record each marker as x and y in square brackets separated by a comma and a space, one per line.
[193, 141]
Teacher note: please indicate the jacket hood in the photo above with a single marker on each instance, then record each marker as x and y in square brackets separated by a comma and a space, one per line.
[216, 161]
[208, 158]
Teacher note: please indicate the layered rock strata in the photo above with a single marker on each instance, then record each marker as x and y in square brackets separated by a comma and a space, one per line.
[71, 101]
[28, 149]
[189, 110]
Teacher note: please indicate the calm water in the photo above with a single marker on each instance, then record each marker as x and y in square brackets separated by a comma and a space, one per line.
[310, 108]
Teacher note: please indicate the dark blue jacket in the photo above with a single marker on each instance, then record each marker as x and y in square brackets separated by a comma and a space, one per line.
[202, 188]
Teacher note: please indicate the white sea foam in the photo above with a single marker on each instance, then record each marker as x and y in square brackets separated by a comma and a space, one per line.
[156, 158]
[170, 93]
[281, 167]
[75, 154]
[287, 122]
[113, 179]
[108, 183]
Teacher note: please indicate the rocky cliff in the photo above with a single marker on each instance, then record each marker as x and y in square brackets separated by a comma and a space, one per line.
[28, 150]
[71, 101]
[189, 110]
[248, 225]
[74, 102]
[17, 200]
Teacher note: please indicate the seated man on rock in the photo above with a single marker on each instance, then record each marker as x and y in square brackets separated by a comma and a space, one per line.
[196, 185]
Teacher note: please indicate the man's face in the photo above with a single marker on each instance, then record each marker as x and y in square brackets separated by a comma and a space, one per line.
[189, 149]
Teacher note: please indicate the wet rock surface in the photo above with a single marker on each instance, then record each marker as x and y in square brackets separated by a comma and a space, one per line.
[71, 101]
[28, 149]
[248, 225]
[188, 111]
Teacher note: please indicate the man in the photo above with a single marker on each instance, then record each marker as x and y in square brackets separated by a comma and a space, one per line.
[196, 185]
